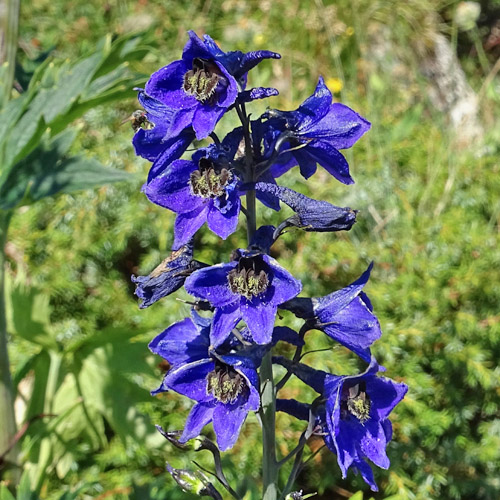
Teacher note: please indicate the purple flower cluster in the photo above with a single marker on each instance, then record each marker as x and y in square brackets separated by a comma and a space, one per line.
[215, 354]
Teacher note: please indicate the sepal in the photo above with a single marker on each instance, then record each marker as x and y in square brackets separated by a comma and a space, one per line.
[195, 482]
[167, 277]
[311, 215]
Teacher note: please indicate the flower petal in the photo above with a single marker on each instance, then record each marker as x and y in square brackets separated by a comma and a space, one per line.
[373, 444]
[166, 86]
[284, 285]
[181, 342]
[224, 320]
[211, 284]
[200, 415]
[227, 422]
[186, 225]
[259, 318]
[385, 394]
[339, 299]
[173, 149]
[205, 118]
[330, 159]
[341, 127]
[190, 379]
[224, 224]
[315, 107]
[172, 190]
[355, 326]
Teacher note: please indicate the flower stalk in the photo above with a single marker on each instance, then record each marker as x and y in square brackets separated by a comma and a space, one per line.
[7, 416]
[270, 468]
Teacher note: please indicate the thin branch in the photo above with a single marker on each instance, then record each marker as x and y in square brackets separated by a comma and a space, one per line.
[295, 359]
[315, 350]
[300, 446]
[219, 473]
[293, 474]
[215, 138]
[311, 456]
[21, 432]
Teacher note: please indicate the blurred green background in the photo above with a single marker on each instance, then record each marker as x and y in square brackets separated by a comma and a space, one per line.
[427, 188]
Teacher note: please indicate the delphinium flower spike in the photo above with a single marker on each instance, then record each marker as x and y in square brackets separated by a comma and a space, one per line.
[221, 355]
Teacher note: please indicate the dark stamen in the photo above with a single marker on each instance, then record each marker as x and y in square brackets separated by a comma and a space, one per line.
[355, 401]
[225, 383]
[206, 182]
[247, 279]
[202, 80]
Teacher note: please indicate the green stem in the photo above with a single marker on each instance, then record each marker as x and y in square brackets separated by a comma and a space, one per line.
[9, 28]
[478, 44]
[270, 467]
[7, 416]
[251, 215]
[267, 412]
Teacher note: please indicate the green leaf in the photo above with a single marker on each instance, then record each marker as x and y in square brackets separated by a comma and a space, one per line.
[24, 488]
[357, 496]
[69, 86]
[75, 174]
[28, 315]
[9, 116]
[47, 171]
[23, 138]
[5, 494]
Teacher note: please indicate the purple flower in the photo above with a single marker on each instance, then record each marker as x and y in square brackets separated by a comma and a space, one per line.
[355, 416]
[202, 85]
[344, 315]
[315, 132]
[225, 387]
[153, 142]
[236, 62]
[249, 288]
[198, 192]
[166, 278]
[311, 215]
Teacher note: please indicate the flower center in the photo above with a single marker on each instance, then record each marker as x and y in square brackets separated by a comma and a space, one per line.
[206, 182]
[202, 80]
[356, 402]
[225, 383]
[247, 279]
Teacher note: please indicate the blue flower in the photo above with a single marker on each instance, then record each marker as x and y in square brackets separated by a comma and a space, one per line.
[251, 287]
[314, 134]
[354, 417]
[198, 192]
[344, 315]
[166, 278]
[224, 386]
[311, 215]
[202, 85]
[154, 143]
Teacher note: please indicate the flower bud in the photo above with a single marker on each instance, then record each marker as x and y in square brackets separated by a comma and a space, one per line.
[172, 437]
[192, 482]
[310, 215]
[297, 495]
